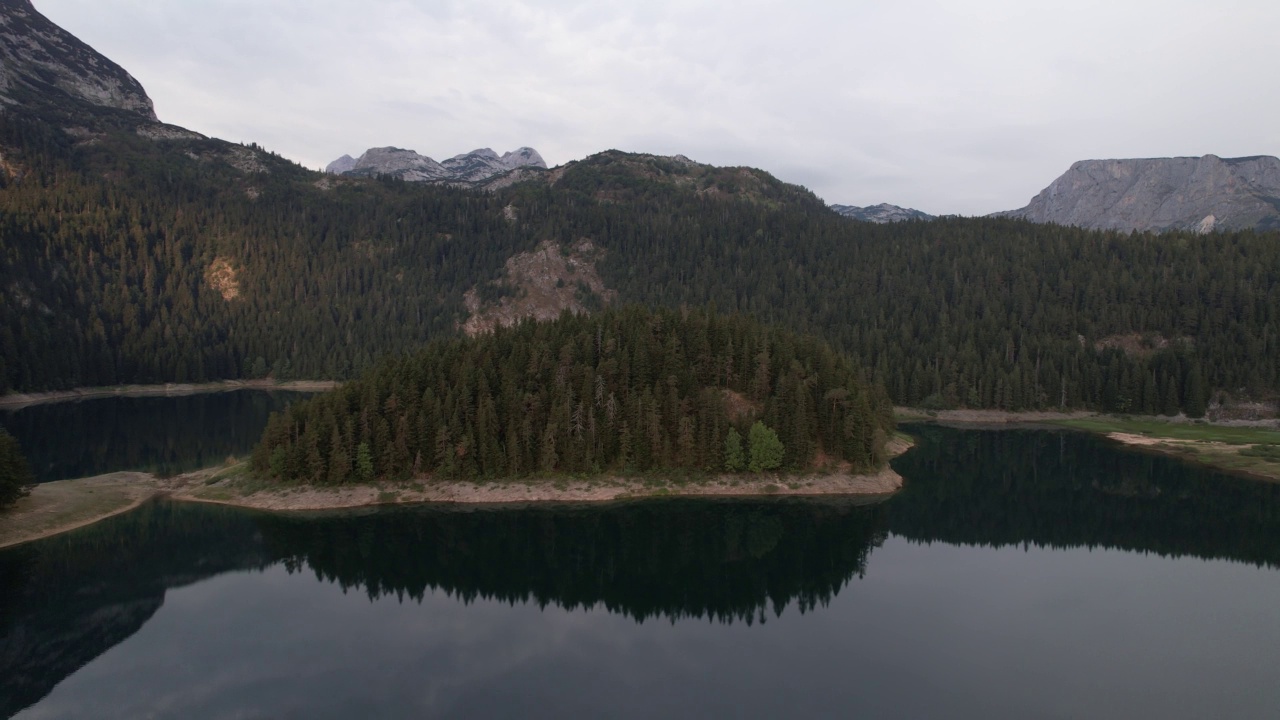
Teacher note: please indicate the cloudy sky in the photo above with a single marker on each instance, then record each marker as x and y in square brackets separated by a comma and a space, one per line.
[949, 107]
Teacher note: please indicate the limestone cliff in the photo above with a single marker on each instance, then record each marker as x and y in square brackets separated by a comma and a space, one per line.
[473, 167]
[42, 67]
[1184, 193]
[882, 213]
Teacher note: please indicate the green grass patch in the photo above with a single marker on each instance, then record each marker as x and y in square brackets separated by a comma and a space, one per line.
[1176, 431]
[1267, 452]
[215, 494]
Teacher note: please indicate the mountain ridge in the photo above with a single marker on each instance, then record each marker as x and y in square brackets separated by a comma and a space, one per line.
[882, 213]
[472, 167]
[40, 63]
[1200, 194]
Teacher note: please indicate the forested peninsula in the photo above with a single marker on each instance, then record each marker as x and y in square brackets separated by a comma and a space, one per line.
[625, 391]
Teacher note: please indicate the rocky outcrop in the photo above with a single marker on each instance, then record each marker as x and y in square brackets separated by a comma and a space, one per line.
[1185, 193]
[540, 284]
[477, 166]
[43, 67]
[882, 213]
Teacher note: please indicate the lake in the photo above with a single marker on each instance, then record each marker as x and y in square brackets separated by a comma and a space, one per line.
[164, 435]
[1020, 573]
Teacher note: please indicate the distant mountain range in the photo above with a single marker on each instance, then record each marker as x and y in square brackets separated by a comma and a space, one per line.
[882, 213]
[1182, 193]
[474, 167]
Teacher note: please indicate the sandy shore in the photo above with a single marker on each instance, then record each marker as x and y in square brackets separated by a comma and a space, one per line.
[69, 504]
[595, 490]
[56, 507]
[20, 400]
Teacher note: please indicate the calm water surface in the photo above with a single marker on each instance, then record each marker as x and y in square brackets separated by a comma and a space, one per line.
[164, 435]
[1020, 574]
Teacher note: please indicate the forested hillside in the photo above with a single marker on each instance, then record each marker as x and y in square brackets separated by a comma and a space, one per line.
[135, 260]
[618, 391]
[131, 260]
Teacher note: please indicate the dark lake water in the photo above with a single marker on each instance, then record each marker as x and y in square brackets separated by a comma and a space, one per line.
[164, 435]
[1020, 574]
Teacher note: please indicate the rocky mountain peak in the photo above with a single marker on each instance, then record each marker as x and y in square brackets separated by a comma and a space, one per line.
[521, 157]
[882, 213]
[43, 67]
[469, 168]
[1201, 194]
[346, 163]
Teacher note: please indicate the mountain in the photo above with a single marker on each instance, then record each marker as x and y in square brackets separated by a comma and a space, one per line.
[473, 167]
[346, 163]
[43, 66]
[1182, 193]
[882, 213]
[135, 252]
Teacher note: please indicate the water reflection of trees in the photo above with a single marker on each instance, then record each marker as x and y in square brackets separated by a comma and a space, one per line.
[721, 560]
[70, 598]
[1069, 489]
[157, 434]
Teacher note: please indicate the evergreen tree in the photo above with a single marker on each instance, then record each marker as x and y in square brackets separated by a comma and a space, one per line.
[15, 473]
[734, 459]
[766, 449]
[364, 462]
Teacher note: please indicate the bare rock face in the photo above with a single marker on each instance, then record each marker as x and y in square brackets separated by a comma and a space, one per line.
[882, 213]
[1198, 194]
[44, 67]
[539, 284]
[346, 163]
[477, 166]
[397, 162]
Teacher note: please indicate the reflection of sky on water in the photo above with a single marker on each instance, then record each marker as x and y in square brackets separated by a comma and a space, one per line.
[932, 630]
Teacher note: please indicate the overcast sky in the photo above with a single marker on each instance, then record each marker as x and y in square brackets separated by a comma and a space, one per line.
[949, 107]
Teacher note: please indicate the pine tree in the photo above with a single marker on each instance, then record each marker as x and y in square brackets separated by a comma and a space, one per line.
[15, 473]
[734, 460]
[364, 462]
[766, 448]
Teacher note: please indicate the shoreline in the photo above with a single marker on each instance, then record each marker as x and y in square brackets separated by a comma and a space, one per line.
[1216, 445]
[57, 507]
[1002, 417]
[987, 417]
[21, 400]
[1213, 455]
[875, 486]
